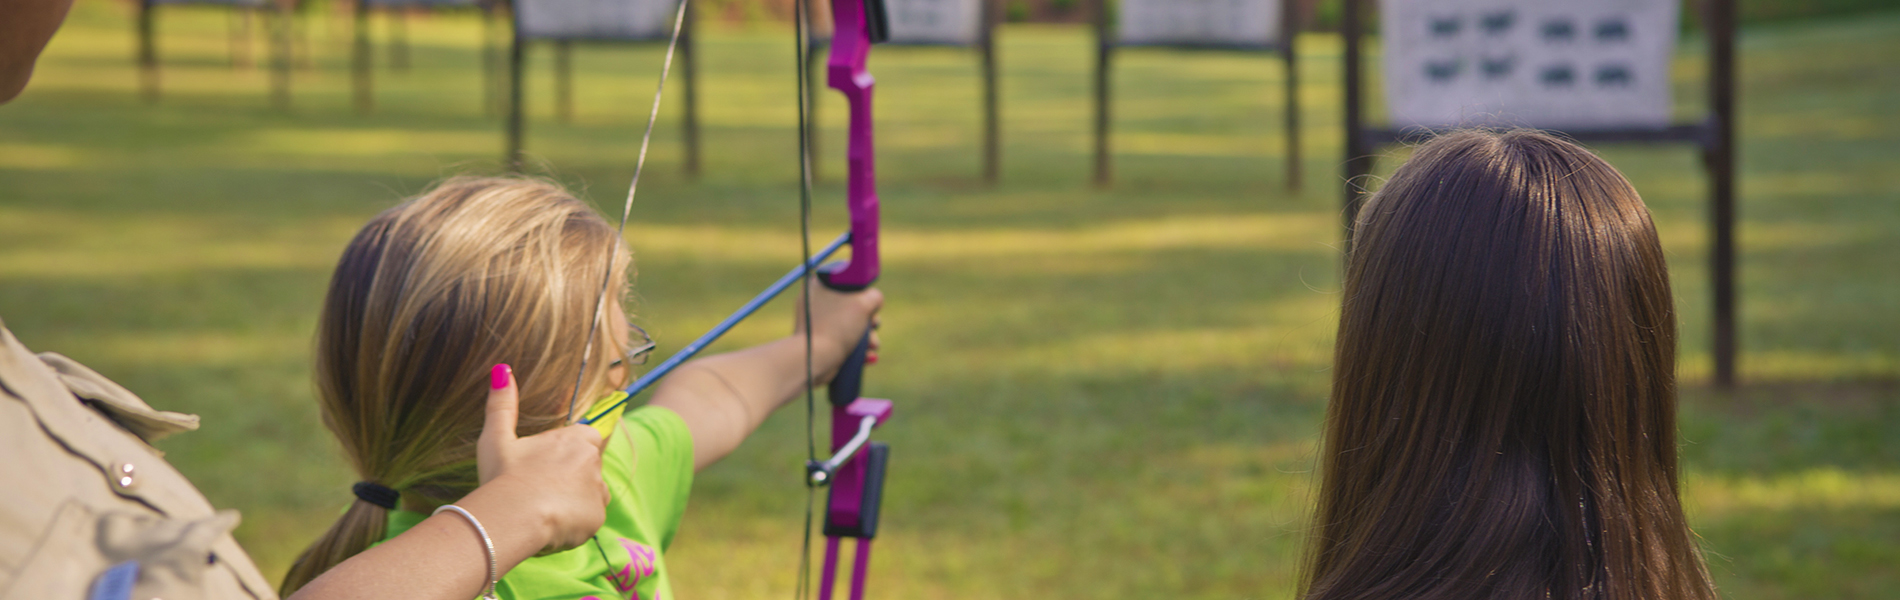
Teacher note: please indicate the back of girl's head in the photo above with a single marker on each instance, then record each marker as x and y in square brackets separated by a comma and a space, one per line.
[426, 299]
[1502, 420]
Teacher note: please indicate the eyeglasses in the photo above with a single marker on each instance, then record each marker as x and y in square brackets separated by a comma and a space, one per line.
[640, 346]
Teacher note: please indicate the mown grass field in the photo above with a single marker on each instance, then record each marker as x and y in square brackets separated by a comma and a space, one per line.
[1102, 394]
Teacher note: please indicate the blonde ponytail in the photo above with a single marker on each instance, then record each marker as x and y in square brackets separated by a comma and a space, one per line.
[359, 528]
[425, 299]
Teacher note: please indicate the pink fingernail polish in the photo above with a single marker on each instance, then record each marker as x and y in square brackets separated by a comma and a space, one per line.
[498, 377]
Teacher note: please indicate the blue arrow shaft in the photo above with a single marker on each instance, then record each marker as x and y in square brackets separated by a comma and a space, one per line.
[778, 287]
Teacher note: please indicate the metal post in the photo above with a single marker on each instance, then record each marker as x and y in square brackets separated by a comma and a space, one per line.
[513, 155]
[282, 49]
[300, 54]
[1358, 157]
[1103, 46]
[360, 60]
[1721, 165]
[491, 59]
[1289, 36]
[564, 81]
[689, 59]
[398, 39]
[239, 28]
[992, 153]
[148, 52]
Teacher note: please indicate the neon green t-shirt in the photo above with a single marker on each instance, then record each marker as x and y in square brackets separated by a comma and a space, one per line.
[648, 466]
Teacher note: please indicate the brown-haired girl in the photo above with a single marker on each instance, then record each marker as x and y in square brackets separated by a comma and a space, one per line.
[1502, 421]
[498, 280]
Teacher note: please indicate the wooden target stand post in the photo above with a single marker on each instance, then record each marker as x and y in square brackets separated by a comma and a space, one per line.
[362, 54]
[565, 22]
[1588, 73]
[925, 23]
[1208, 25]
[278, 17]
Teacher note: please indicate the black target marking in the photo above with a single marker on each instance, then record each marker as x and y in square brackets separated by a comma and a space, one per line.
[1613, 29]
[1558, 76]
[1559, 30]
[1443, 71]
[1615, 75]
[1495, 69]
[1444, 27]
[1496, 23]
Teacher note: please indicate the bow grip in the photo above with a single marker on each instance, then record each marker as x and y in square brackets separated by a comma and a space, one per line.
[848, 384]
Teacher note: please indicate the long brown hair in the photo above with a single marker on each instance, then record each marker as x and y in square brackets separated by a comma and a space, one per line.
[1503, 413]
[426, 298]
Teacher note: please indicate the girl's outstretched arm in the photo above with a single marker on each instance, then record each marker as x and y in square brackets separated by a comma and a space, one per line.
[724, 397]
[542, 492]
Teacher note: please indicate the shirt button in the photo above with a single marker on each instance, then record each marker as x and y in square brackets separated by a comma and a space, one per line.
[123, 476]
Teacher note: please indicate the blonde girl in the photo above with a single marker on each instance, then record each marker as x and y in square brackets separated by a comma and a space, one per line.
[481, 283]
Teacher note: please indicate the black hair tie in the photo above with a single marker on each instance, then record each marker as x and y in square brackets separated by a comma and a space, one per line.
[375, 493]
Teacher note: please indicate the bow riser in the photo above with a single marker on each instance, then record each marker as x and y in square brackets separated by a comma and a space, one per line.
[850, 47]
[857, 483]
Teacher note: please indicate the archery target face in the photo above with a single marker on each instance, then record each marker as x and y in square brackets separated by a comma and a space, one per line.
[1199, 22]
[596, 19]
[1538, 63]
[250, 3]
[935, 21]
[429, 3]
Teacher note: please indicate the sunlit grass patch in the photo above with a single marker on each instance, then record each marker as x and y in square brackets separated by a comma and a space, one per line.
[1822, 488]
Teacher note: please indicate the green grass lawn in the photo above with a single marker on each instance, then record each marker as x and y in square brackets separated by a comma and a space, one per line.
[1102, 394]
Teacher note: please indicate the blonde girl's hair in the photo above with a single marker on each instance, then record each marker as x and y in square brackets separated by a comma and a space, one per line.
[426, 299]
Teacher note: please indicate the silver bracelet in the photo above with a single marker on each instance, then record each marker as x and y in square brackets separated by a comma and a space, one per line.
[488, 591]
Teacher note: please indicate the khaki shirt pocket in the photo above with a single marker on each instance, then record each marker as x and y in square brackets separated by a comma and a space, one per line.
[117, 555]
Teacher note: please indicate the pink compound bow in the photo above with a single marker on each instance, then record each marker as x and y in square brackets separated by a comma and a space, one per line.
[855, 472]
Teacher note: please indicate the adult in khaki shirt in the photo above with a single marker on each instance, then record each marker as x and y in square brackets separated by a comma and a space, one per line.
[93, 512]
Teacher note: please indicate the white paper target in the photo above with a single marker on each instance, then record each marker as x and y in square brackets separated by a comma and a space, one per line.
[1539, 63]
[249, 3]
[425, 3]
[596, 19]
[934, 21]
[1253, 23]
